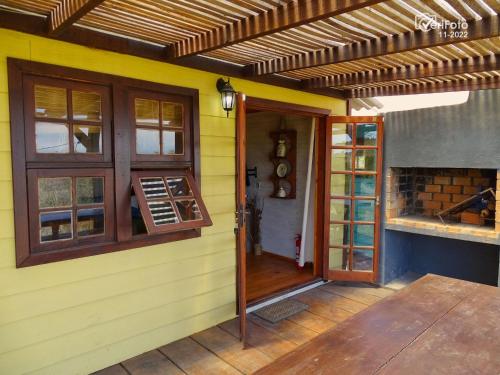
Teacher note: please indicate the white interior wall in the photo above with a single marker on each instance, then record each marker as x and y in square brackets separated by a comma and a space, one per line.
[281, 218]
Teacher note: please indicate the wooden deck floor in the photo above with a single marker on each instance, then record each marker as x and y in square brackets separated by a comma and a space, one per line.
[218, 351]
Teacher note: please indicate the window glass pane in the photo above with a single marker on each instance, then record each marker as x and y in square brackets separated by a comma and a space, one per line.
[51, 138]
[339, 234]
[362, 260]
[366, 135]
[90, 222]
[86, 106]
[173, 143]
[147, 112]
[340, 184]
[342, 134]
[154, 187]
[366, 160]
[341, 160]
[188, 210]
[89, 190]
[338, 259]
[87, 139]
[179, 186]
[50, 102]
[364, 234]
[54, 192]
[56, 226]
[364, 210]
[148, 142]
[163, 212]
[364, 185]
[340, 209]
[171, 114]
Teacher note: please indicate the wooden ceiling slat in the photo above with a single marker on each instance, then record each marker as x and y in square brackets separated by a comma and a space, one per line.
[463, 66]
[274, 20]
[68, 12]
[485, 28]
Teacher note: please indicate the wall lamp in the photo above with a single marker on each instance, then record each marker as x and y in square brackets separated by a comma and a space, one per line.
[227, 94]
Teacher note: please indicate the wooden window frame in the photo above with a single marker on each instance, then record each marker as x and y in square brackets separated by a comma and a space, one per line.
[143, 201]
[120, 161]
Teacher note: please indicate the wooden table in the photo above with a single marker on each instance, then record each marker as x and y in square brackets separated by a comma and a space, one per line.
[437, 325]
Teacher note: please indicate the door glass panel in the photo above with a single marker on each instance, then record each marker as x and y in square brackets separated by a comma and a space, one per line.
[362, 260]
[87, 139]
[55, 226]
[148, 142]
[339, 234]
[50, 102]
[89, 190]
[342, 134]
[173, 143]
[338, 259]
[147, 112]
[340, 184]
[341, 160]
[366, 135]
[364, 235]
[90, 222]
[188, 210]
[86, 106]
[179, 186]
[51, 138]
[364, 210]
[54, 192]
[340, 209]
[364, 185]
[171, 114]
[366, 160]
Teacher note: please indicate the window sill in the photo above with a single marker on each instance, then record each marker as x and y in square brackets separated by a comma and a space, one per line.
[104, 248]
[434, 227]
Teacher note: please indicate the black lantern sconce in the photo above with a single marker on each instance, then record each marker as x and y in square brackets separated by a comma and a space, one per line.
[227, 94]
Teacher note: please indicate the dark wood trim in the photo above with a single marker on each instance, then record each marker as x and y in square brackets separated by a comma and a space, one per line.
[427, 88]
[68, 12]
[281, 18]
[409, 41]
[259, 104]
[437, 69]
[122, 164]
[90, 38]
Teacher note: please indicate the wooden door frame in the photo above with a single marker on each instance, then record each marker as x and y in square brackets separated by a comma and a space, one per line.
[321, 116]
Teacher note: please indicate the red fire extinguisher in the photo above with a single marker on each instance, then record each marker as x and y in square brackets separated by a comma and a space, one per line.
[298, 241]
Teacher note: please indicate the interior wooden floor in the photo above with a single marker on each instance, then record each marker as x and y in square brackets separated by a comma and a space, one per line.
[217, 350]
[268, 274]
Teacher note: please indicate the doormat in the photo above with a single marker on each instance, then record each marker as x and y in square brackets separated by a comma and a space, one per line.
[281, 310]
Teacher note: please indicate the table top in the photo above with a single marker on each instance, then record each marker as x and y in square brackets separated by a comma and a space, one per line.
[437, 325]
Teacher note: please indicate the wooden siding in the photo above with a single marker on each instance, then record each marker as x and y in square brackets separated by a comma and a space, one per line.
[81, 315]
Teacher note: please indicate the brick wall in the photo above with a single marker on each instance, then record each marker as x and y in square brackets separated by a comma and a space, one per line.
[427, 191]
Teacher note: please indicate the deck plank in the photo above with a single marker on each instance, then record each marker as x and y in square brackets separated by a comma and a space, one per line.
[286, 329]
[151, 363]
[312, 321]
[388, 327]
[356, 294]
[194, 359]
[112, 370]
[267, 342]
[230, 349]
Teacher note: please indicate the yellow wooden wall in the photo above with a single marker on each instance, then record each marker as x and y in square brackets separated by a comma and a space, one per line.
[78, 316]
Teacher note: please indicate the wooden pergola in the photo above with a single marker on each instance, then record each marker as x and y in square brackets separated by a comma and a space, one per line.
[341, 48]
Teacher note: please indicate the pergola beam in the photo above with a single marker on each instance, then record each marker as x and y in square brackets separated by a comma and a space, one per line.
[284, 17]
[492, 82]
[437, 69]
[67, 12]
[409, 41]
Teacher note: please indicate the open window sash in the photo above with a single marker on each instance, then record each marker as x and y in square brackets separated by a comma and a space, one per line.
[169, 201]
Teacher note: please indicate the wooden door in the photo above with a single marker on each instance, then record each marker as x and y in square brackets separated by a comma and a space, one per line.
[240, 229]
[352, 197]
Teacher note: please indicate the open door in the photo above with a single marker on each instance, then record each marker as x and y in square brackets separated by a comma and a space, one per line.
[240, 229]
[352, 197]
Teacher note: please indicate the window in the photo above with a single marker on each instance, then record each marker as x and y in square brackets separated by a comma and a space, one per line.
[100, 163]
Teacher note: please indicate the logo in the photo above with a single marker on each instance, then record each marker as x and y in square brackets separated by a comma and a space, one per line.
[425, 21]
